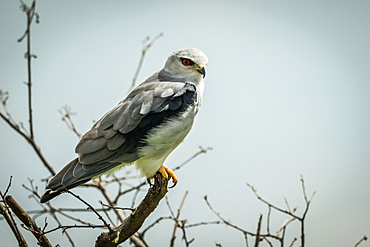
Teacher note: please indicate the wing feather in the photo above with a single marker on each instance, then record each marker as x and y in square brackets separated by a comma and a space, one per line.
[118, 134]
[116, 141]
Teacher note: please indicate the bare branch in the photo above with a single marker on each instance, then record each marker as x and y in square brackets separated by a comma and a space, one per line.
[28, 221]
[14, 125]
[269, 204]
[182, 226]
[64, 228]
[13, 226]
[293, 241]
[176, 219]
[134, 221]
[268, 220]
[284, 225]
[133, 188]
[201, 151]
[204, 224]
[4, 96]
[169, 207]
[229, 224]
[92, 208]
[52, 213]
[8, 187]
[257, 241]
[119, 213]
[308, 202]
[106, 205]
[364, 238]
[145, 48]
[153, 224]
[66, 114]
[31, 13]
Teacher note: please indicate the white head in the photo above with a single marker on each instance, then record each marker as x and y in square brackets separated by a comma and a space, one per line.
[188, 63]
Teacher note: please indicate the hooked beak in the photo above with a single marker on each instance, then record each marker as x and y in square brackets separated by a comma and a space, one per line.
[202, 71]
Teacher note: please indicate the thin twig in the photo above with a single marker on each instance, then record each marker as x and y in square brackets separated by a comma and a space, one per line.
[30, 13]
[169, 207]
[258, 236]
[133, 188]
[153, 224]
[144, 50]
[293, 241]
[64, 228]
[4, 96]
[182, 226]
[364, 238]
[269, 204]
[92, 208]
[201, 151]
[66, 114]
[109, 206]
[308, 202]
[17, 128]
[235, 226]
[176, 219]
[204, 224]
[268, 220]
[8, 187]
[55, 217]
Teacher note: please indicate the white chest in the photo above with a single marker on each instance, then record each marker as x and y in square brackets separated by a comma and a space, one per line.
[163, 139]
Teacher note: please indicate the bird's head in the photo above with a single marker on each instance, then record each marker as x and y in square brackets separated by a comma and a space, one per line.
[188, 63]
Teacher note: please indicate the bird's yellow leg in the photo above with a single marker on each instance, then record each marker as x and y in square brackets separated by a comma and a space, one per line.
[167, 172]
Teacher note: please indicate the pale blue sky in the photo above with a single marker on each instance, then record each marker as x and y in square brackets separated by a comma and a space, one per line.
[287, 94]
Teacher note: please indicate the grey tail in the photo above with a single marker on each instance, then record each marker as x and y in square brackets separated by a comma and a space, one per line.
[48, 195]
[72, 175]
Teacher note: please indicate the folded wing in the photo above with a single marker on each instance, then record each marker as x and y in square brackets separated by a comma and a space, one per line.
[118, 134]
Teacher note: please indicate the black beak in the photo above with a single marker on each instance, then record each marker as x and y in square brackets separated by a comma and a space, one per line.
[202, 71]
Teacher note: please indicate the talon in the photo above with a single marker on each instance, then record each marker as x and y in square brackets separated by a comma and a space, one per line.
[167, 172]
[174, 184]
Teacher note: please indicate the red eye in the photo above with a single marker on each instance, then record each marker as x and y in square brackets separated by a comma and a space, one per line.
[187, 62]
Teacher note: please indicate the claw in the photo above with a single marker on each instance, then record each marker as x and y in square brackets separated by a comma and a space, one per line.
[168, 173]
[174, 184]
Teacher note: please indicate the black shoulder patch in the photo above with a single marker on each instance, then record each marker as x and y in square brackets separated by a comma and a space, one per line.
[171, 108]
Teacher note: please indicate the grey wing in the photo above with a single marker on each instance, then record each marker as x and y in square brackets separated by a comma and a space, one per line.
[118, 134]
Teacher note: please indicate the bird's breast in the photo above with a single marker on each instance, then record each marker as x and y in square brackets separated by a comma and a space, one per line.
[164, 138]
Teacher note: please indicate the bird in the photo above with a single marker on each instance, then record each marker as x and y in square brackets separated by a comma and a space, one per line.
[143, 129]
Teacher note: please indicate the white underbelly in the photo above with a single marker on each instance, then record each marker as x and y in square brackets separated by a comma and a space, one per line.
[163, 140]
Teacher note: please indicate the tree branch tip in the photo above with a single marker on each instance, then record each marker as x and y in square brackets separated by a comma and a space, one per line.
[205, 150]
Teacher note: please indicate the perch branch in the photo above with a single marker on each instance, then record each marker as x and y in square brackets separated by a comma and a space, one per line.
[134, 221]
